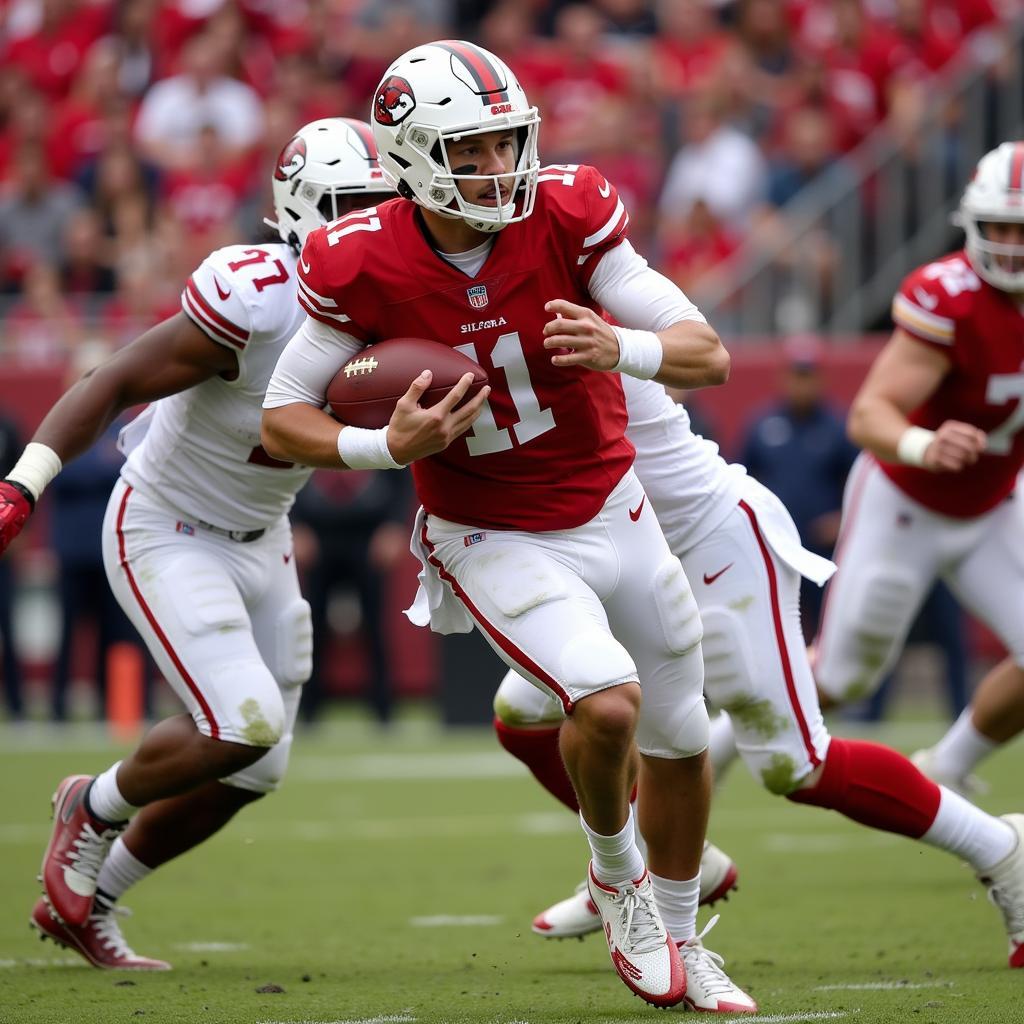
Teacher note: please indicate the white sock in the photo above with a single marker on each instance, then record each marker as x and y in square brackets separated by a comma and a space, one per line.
[641, 843]
[969, 832]
[120, 871]
[721, 745]
[677, 903]
[616, 858]
[961, 748]
[105, 799]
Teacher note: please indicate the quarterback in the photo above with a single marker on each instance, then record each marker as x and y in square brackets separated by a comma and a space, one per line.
[198, 551]
[533, 528]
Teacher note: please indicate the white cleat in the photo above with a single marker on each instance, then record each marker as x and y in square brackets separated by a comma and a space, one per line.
[577, 916]
[1005, 885]
[708, 988]
[643, 954]
[968, 786]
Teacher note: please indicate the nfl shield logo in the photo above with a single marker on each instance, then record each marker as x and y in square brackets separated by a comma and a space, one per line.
[477, 296]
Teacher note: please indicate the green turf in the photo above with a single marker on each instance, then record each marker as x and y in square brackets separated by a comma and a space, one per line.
[319, 888]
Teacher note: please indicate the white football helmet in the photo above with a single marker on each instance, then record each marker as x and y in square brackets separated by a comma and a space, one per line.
[443, 91]
[326, 160]
[995, 193]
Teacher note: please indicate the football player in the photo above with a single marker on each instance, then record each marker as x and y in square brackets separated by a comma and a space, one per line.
[742, 551]
[534, 527]
[198, 550]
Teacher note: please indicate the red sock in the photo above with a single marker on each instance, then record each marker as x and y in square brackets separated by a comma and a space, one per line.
[538, 750]
[876, 786]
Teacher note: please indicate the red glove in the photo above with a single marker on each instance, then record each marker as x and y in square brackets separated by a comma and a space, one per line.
[16, 505]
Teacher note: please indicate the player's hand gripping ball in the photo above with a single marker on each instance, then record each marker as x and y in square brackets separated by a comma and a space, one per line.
[364, 391]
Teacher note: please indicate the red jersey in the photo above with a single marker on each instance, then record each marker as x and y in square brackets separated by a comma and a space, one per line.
[946, 306]
[550, 445]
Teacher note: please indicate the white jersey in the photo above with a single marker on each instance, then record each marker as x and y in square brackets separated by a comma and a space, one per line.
[692, 488]
[198, 452]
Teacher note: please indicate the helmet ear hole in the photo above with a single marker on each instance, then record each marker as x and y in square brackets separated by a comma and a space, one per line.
[405, 190]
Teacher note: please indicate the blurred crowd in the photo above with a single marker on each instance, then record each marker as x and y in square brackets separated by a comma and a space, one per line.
[136, 136]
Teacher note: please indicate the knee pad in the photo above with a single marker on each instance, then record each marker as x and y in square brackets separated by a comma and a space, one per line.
[677, 608]
[251, 701]
[265, 775]
[294, 644]
[851, 667]
[594, 660]
[518, 702]
[729, 664]
[675, 730]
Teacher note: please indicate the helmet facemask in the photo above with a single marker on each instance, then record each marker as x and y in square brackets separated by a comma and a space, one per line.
[442, 194]
[1001, 264]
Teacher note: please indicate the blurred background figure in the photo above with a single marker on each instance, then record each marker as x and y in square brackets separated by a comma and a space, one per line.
[798, 448]
[10, 449]
[350, 529]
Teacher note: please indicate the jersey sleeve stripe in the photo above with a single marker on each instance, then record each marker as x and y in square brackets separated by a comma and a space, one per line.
[336, 320]
[195, 314]
[919, 321]
[618, 214]
[213, 315]
[322, 303]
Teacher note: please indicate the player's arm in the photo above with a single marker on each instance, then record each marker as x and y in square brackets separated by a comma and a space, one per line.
[168, 358]
[662, 334]
[297, 429]
[905, 374]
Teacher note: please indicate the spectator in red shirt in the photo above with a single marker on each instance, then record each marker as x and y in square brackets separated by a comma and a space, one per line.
[688, 50]
[51, 53]
[577, 80]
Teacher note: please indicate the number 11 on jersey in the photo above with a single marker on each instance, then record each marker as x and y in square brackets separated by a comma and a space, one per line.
[485, 437]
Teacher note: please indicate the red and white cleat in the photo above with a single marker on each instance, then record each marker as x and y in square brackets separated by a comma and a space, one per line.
[1005, 885]
[99, 940]
[708, 988]
[643, 954]
[577, 916]
[78, 846]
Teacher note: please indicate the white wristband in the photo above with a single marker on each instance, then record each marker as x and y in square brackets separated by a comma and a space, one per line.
[38, 465]
[640, 353]
[360, 448]
[913, 444]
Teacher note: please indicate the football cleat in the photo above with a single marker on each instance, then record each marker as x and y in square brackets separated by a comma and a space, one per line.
[99, 940]
[708, 988]
[968, 786]
[643, 954]
[78, 847]
[577, 916]
[1005, 885]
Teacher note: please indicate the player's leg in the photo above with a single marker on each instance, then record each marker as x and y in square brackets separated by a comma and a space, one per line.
[528, 597]
[758, 669]
[652, 611]
[168, 828]
[994, 717]
[182, 594]
[888, 556]
[527, 721]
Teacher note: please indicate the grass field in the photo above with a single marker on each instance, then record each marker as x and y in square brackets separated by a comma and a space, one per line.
[394, 878]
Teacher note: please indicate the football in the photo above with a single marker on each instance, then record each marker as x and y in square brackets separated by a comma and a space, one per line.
[364, 391]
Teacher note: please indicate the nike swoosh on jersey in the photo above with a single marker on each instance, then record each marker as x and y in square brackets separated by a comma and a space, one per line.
[926, 300]
[635, 514]
[305, 266]
[708, 580]
[220, 291]
[605, 189]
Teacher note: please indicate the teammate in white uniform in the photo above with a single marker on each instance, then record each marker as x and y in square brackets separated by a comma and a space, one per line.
[740, 549]
[197, 548]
